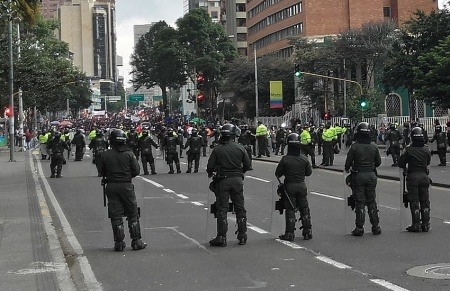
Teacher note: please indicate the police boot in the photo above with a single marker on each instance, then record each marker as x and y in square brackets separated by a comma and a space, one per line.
[53, 173]
[415, 215]
[119, 234]
[145, 168]
[374, 220]
[189, 167]
[221, 239]
[171, 169]
[290, 226]
[360, 218]
[135, 235]
[178, 167]
[196, 166]
[58, 171]
[306, 224]
[425, 213]
[242, 230]
[152, 168]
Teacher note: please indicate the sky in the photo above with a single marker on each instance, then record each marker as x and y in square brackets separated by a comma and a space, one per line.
[132, 12]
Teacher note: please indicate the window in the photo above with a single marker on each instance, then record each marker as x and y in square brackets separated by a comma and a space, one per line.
[214, 14]
[387, 11]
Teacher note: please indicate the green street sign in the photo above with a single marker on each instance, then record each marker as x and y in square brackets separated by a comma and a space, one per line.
[135, 97]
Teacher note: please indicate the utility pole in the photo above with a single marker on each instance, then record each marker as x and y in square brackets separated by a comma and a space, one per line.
[11, 82]
[256, 86]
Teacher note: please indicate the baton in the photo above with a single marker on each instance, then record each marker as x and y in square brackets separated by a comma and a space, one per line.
[285, 192]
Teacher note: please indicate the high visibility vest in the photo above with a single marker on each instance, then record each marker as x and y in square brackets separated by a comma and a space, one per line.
[261, 130]
[339, 130]
[305, 137]
[92, 134]
[43, 138]
[328, 134]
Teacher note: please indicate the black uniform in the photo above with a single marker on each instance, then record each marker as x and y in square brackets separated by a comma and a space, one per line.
[229, 161]
[80, 143]
[98, 145]
[132, 140]
[245, 139]
[195, 144]
[180, 140]
[170, 143]
[204, 134]
[441, 145]
[56, 147]
[363, 158]
[144, 145]
[394, 137]
[414, 160]
[281, 141]
[119, 165]
[294, 167]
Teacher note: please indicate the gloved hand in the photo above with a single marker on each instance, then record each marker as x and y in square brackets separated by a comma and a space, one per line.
[210, 175]
[103, 181]
[347, 170]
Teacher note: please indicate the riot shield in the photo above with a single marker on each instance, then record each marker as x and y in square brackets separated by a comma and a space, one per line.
[349, 203]
[404, 206]
[280, 202]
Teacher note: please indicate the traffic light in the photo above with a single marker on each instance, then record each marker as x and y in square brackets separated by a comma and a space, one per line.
[8, 111]
[200, 81]
[363, 103]
[326, 115]
[297, 71]
[200, 97]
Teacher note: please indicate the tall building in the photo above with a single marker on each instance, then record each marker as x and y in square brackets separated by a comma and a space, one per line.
[49, 7]
[88, 26]
[271, 22]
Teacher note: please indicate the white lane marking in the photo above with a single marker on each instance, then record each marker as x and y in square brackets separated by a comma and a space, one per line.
[447, 222]
[389, 207]
[388, 285]
[258, 179]
[89, 276]
[332, 262]
[289, 244]
[169, 190]
[182, 196]
[257, 229]
[41, 267]
[197, 203]
[152, 182]
[325, 195]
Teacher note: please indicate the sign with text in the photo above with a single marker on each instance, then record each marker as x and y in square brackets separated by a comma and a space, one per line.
[135, 97]
[276, 94]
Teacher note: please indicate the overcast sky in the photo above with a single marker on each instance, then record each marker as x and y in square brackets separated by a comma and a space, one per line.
[132, 12]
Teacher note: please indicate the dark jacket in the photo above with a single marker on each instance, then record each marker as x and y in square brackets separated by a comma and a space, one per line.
[228, 159]
[294, 168]
[118, 164]
[363, 157]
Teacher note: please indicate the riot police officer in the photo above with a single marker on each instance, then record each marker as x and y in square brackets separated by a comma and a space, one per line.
[56, 147]
[280, 137]
[98, 145]
[132, 140]
[204, 134]
[363, 158]
[169, 144]
[194, 142]
[415, 160]
[307, 144]
[80, 143]
[245, 139]
[144, 145]
[229, 161]
[394, 137]
[441, 145]
[118, 166]
[294, 167]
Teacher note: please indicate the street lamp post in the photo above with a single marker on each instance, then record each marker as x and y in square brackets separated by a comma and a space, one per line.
[11, 82]
[256, 86]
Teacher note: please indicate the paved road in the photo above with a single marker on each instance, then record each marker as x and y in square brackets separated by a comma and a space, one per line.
[177, 228]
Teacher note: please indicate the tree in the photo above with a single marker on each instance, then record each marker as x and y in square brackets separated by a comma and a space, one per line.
[419, 35]
[158, 60]
[432, 75]
[207, 49]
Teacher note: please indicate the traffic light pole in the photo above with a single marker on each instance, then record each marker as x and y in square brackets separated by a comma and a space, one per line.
[334, 78]
[256, 87]
[11, 83]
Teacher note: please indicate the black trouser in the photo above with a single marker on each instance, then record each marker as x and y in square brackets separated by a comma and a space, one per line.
[339, 139]
[262, 146]
[442, 153]
[395, 152]
[308, 149]
[229, 188]
[193, 157]
[147, 158]
[418, 184]
[319, 147]
[56, 163]
[79, 152]
[363, 187]
[280, 145]
[328, 154]
[172, 157]
[248, 148]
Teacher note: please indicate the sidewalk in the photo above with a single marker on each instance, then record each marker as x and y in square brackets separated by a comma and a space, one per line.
[25, 257]
[439, 175]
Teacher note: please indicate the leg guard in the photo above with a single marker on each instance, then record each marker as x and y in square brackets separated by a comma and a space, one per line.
[152, 168]
[290, 226]
[119, 234]
[178, 167]
[415, 216]
[374, 219]
[189, 167]
[58, 170]
[144, 167]
[171, 169]
[242, 230]
[135, 235]
[197, 164]
[222, 228]
[306, 224]
[425, 213]
[359, 222]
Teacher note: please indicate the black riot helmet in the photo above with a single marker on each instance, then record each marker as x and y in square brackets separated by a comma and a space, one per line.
[99, 132]
[293, 139]
[118, 137]
[438, 129]
[392, 126]
[363, 129]
[57, 135]
[194, 132]
[417, 134]
[170, 132]
[228, 130]
[145, 132]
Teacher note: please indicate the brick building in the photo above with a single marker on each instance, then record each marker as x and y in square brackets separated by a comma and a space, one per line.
[271, 22]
